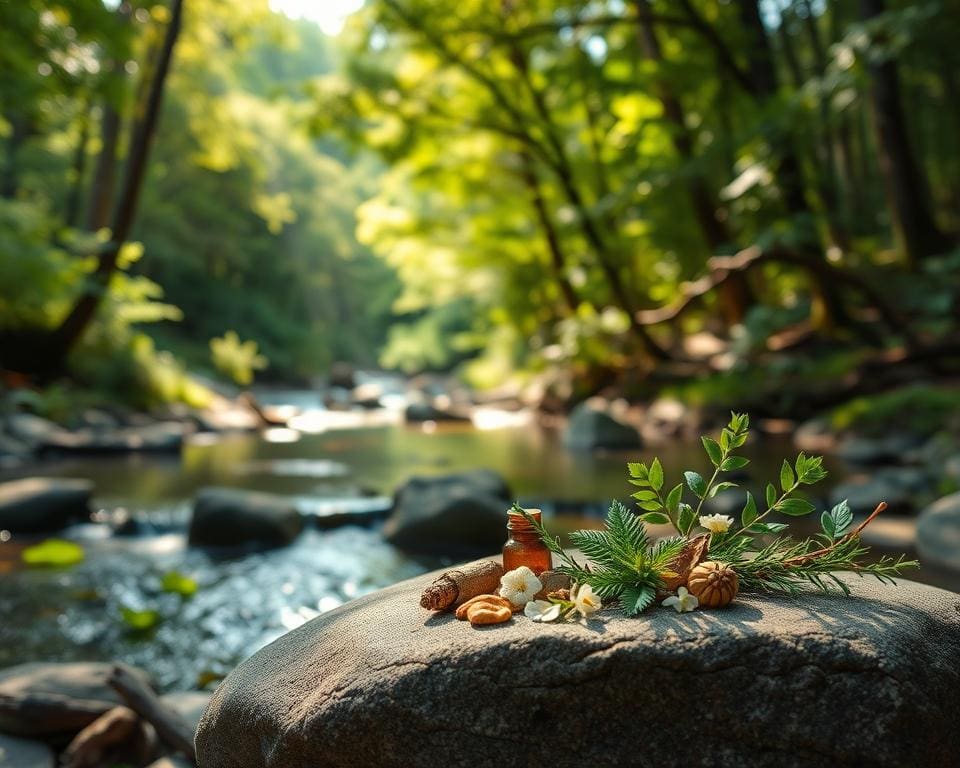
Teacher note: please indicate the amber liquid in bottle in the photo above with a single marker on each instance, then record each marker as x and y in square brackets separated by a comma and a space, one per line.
[523, 545]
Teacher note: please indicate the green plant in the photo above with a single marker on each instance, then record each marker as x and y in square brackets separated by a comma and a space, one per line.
[626, 564]
[236, 359]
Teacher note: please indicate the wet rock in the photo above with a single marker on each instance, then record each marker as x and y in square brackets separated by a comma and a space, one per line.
[42, 504]
[343, 375]
[453, 515]
[155, 437]
[592, 425]
[230, 517]
[233, 417]
[24, 753]
[99, 420]
[427, 690]
[892, 449]
[76, 680]
[367, 396]
[32, 430]
[938, 533]
[188, 704]
[665, 418]
[864, 492]
[423, 411]
[13, 451]
[951, 468]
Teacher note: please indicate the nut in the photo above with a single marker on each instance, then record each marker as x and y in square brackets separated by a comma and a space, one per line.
[487, 613]
[494, 601]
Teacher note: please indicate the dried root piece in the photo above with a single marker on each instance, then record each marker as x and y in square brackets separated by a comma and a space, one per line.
[458, 586]
[552, 581]
[483, 613]
[694, 551]
[492, 601]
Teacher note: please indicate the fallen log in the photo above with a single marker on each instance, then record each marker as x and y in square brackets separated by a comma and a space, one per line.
[43, 714]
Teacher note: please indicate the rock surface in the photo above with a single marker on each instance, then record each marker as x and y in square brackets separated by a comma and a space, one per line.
[76, 680]
[24, 753]
[456, 515]
[41, 504]
[188, 704]
[592, 425]
[159, 437]
[230, 517]
[827, 680]
[938, 533]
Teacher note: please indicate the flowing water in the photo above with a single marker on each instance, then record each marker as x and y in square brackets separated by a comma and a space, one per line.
[246, 600]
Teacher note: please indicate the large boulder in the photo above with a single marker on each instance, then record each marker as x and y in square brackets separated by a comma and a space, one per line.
[24, 753]
[938, 533]
[592, 425]
[771, 681]
[454, 515]
[74, 680]
[42, 504]
[231, 517]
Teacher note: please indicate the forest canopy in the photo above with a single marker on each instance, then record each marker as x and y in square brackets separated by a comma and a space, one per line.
[618, 189]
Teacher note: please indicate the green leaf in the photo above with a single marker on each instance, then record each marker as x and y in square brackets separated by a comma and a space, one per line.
[725, 436]
[636, 599]
[786, 476]
[767, 527]
[828, 525]
[650, 506]
[842, 517]
[644, 495]
[53, 553]
[656, 475]
[714, 451]
[673, 499]
[734, 462]
[724, 486]
[795, 507]
[637, 470]
[140, 621]
[749, 513]
[696, 483]
[178, 584]
[655, 518]
[771, 495]
[686, 519]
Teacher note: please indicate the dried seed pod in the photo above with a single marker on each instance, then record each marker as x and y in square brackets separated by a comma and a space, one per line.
[494, 601]
[458, 586]
[693, 553]
[714, 584]
[552, 581]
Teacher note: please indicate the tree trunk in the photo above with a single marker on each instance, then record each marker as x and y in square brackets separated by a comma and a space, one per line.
[105, 172]
[20, 131]
[735, 294]
[914, 229]
[77, 321]
[78, 167]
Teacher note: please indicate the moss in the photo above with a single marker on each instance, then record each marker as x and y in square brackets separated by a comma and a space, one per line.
[919, 408]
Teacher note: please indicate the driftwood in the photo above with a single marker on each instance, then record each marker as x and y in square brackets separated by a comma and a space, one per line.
[170, 727]
[40, 714]
[89, 747]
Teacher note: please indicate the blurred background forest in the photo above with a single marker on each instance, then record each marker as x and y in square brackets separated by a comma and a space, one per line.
[754, 203]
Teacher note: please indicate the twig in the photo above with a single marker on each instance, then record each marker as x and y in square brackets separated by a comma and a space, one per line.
[170, 726]
[811, 556]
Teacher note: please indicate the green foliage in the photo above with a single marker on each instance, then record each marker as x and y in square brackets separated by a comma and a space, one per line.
[235, 359]
[625, 563]
[178, 584]
[140, 621]
[920, 408]
[53, 553]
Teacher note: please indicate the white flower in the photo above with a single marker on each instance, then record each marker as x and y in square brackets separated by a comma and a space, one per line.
[542, 610]
[683, 601]
[585, 601]
[519, 585]
[716, 523]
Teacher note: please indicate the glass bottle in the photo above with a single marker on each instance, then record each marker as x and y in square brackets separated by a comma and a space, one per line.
[524, 546]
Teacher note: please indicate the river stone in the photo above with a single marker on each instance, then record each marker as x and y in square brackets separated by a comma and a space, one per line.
[31, 429]
[938, 533]
[42, 504]
[771, 681]
[591, 425]
[188, 704]
[456, 515]
[24, 753]
[158, 437]
[230, 517]
[76, 680]
[864, 492]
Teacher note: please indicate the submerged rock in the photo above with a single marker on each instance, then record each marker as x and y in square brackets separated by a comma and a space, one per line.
[75, 680]
[455, 515]
[592, 425]
[43, 504]
[768, 681]
[24, 753]
[938, 533]
[230, 517]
